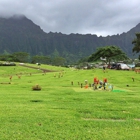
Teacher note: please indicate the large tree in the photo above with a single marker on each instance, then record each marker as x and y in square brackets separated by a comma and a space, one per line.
[58, 61]
[21, 56]
[41, 59]
[108, 53]
[136, 43]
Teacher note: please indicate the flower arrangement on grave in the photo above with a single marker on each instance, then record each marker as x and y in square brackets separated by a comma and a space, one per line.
[36, 87]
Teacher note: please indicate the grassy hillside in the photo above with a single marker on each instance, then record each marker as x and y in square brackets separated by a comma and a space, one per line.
[61, 110]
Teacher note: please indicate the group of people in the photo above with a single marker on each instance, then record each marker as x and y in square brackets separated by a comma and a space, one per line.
[101, 85]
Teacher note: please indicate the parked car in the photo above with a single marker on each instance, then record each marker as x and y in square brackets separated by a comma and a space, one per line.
[101, 66]
[131, 66]
[119, 66]
[112, 66]
[124, 66]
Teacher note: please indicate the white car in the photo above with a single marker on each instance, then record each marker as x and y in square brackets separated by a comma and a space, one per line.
[124, 66]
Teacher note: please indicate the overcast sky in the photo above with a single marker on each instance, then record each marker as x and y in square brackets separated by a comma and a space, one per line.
[100, 17]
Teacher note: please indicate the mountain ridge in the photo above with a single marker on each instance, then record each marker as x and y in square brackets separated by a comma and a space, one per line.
[21, 34]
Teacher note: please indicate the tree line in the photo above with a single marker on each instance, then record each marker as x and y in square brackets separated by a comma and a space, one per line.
[24, 57]
[107, 53]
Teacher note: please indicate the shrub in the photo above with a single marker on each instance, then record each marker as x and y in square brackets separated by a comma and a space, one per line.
[138, 64]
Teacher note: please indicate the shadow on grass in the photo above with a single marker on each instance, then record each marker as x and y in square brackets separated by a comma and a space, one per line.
[36, 101]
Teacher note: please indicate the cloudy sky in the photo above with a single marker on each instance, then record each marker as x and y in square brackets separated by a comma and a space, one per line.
[100, 17]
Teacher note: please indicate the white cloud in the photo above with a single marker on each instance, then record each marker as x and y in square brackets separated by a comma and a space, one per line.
[101, 17]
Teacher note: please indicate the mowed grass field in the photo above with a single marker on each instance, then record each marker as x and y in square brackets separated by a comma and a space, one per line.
[62, 111]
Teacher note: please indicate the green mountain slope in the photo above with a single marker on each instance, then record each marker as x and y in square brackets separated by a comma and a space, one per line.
[21, 34]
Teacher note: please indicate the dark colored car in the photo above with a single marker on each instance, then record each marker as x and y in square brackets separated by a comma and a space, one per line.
[113, 66]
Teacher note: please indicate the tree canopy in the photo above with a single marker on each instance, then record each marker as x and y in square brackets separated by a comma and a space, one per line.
[21, 56]
[41, 59]
[136, 43]
[108, 53]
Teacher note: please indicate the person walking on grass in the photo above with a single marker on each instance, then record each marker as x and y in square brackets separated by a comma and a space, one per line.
[104, 68]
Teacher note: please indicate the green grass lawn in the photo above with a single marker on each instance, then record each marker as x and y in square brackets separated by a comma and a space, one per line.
[62, 111]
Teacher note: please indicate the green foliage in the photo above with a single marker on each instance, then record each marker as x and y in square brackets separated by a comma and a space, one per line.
[22, 35]
[41, 59]
[108, 53]
[136, 43]
[58, 61]
[24, 57]
[6, 52]
[21, 56]
[55, 53]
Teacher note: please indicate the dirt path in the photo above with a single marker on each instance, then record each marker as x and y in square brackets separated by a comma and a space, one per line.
[44, 70]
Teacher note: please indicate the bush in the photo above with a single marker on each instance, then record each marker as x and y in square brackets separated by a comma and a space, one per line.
[137, 65]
